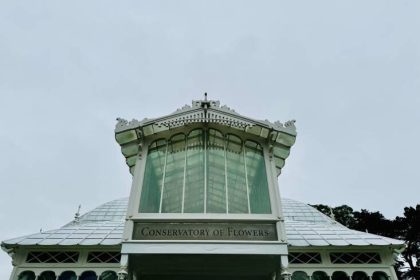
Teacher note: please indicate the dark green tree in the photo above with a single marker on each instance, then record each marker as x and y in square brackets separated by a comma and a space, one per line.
[342, 214]
[409, 229]
[405, 228]
[324, 209]
[373, 222]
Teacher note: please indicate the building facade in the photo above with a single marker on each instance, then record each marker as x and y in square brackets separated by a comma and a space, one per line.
[204, 204]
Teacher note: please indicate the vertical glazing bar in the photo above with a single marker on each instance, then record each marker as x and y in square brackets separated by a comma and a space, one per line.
[163, 179]
[205, 170]
[226, 176]
[185, 171]
[246, 178]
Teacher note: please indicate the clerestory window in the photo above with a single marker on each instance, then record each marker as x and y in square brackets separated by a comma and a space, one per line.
[205, 171]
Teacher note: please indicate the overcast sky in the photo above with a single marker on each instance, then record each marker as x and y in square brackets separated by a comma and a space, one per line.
[347, 71]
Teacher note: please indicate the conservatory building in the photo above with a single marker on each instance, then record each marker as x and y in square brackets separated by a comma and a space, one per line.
[204, 204]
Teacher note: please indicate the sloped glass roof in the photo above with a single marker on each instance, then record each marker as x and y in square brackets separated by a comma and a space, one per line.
[104, 225]
[297, 211]
[111, 211]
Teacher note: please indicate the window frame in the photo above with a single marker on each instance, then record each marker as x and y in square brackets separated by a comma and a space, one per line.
[137, 184]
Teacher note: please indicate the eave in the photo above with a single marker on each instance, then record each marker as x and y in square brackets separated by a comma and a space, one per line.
[280, 137]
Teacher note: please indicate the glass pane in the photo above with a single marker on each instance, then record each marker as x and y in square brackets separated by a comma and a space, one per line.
[300, 275]
[88, 275]
[257, 179]
[216, 189]
[205, 172]
[174, 175]
[108, 275]
[194, 180]
[67, 275]
[339, 275]
[379, 276]
[320, 275]
[359, 275]
[153, 174]
[236, 181]
[47, 275]
[27, 275]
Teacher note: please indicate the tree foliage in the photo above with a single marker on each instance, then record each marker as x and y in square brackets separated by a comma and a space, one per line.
[406, 228]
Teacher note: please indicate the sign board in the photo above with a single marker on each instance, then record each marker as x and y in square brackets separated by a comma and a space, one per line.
[205, 231]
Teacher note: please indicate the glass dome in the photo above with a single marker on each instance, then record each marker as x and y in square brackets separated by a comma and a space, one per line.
[205, 171]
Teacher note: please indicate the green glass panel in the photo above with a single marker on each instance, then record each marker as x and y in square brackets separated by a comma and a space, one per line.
[205, 172]
[153, 175]
[194, 180]
[216, 179]
[174, 175]
[257, 179]
[236, 176]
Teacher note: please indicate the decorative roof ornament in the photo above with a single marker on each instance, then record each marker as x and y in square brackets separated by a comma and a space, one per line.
[131, 134]
[77, 215]
[332, 216]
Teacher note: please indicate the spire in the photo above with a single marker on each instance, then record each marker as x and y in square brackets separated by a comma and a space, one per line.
[332, 216]
[77, 215]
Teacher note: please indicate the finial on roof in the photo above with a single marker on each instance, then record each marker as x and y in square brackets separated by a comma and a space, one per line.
[77, 215]
[332, 216]
[205, 96]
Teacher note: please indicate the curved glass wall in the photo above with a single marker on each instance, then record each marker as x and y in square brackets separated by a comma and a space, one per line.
[205, 172]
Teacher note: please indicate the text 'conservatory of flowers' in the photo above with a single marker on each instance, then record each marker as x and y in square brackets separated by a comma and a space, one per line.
[204, 204]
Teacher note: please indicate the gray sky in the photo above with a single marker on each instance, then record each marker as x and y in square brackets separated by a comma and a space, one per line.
[347, 71]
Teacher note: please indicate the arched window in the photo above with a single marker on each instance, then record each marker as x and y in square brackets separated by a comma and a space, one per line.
[300, 275]
[68, 275]
[108, 275]
[257, 178]
[47, 275]
[320, 275]
[152, 180]
[195, 173]
[216, 172]
[379, 275]
[88, 275]
[238, 195]
[359, 275]
[173, 186]
[27, 275]
[339, 275]
[205, 172]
